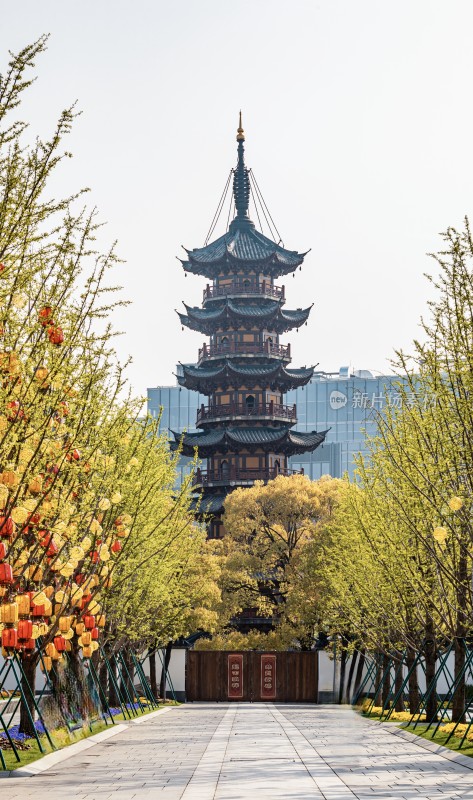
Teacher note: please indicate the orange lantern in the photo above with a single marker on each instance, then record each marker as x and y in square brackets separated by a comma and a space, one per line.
[9, 638]
[25, 629]
[89, 621]
[55, 335]
[95, 634]
[45, 316]
[3, 550]
[60, 644]
[87, 652]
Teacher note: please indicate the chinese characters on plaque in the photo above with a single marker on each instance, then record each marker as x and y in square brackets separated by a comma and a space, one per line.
[268, 677]
[235, 676]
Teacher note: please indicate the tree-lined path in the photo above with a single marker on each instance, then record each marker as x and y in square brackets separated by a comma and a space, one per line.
[240, 751]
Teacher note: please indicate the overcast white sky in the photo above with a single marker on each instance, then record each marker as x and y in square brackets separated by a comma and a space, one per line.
[358, 118]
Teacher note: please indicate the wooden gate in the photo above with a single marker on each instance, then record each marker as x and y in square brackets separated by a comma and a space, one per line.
[252, 676]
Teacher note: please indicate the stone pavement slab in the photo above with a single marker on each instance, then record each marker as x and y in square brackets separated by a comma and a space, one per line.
[223, 751]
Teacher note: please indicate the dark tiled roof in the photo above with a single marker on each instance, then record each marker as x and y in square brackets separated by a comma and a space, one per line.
[242, 243]
[282, 439]
[211, 504]
[199, 378]
[271, 313]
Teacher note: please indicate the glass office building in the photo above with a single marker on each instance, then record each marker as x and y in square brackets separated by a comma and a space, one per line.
[345, 403]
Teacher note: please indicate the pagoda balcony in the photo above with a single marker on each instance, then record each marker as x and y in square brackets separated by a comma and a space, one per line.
[209, 351]
[239, 477]
[264, 289]
[236, 410]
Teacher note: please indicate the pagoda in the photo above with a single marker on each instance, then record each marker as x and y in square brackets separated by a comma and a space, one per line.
[246, 431]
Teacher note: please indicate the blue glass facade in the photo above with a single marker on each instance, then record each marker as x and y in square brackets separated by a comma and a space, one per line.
[344, 402]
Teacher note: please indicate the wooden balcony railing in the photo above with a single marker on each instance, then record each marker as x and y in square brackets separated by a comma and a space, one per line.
[239, 476]
[278, 410]
[264, 288]
[244, 348]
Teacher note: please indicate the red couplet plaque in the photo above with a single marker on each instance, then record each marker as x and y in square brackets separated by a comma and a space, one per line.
[235, 676]
[268, 677]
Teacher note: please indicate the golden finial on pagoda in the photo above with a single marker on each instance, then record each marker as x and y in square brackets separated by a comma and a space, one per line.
[240, 132]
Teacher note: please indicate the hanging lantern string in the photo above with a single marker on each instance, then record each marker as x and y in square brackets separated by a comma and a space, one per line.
[221, 203]
[258, 194]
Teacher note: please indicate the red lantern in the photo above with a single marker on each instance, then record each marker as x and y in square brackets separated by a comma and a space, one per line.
[55, 335]
[52, 550]
[116, 547]
[85, 600]
[89, 621]
[45, 316]
[7, 527]
[38, 611]
[25, 629]
[94, 556]
[95, 633]
[60, 644]
[6, 574]
[13, 410]
[29, 645]
[3, 550]
[9, 638]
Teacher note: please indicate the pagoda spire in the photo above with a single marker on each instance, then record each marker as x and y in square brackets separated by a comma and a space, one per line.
[241, 180]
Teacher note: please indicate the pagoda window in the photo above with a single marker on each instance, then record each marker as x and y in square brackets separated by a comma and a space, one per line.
[225, 341]
[224, 470]
[250, 402]
[277, 467]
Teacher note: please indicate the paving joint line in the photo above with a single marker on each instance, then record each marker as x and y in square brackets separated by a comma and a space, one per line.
[322, 759]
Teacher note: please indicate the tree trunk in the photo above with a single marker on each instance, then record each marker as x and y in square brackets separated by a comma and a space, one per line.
[113, 699]
[413, 683]
[153, 676]
[343, 666]
[164, 671]
[398, 681]
[351, 671]
[386, 679]
[359, 673]
[458, 700]
[430, 653]
[29, 662]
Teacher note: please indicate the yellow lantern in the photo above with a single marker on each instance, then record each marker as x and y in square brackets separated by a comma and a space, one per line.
[100, 621]
[87, 651]
[86, 638]
[47, 663]
[19, 515]
[3, 496]
[65, 623]
[35, 485]
[104, 504]
[39, 599]
[9, 613]
[35, 573]
[440, 534]
[23, 601]
[68, 634]
[80, 628]
[456, 503]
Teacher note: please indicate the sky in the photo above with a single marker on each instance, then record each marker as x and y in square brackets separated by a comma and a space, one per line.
[358, 122]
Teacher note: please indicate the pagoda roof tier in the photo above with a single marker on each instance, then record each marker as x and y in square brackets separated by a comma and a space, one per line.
[242, 248]
[228, 372]
[210, 504]
[267, 313]
[279, 440]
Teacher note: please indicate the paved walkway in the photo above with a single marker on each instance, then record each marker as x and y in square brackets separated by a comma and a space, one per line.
[206, 751]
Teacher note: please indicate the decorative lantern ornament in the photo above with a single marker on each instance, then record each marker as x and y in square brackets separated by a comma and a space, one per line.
[55, 335]
[440, 534]
[456, 503]
[45, 316]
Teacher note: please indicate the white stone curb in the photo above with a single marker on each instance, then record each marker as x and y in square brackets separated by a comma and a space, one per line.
[62, 755]
[153, 714]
